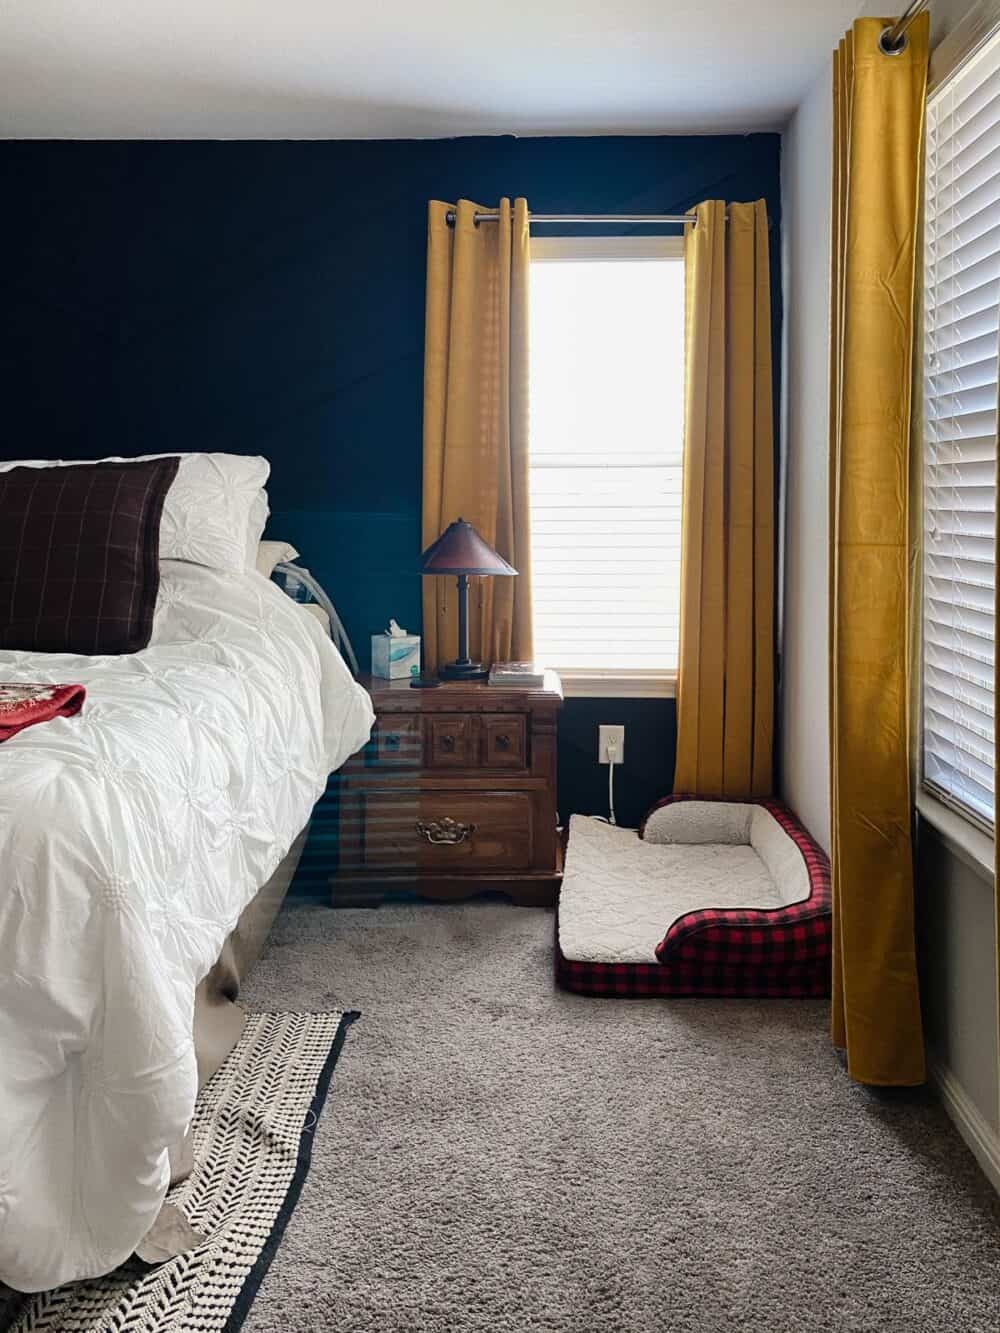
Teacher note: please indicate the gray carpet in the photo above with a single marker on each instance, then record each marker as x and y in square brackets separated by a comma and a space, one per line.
[496, 1155]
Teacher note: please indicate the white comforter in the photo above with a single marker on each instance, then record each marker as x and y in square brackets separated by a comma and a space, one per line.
[131, 838]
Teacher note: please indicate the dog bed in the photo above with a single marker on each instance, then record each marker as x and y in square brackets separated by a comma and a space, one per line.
[708, 898]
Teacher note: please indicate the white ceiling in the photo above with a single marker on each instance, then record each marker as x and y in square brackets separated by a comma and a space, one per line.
[189, 69]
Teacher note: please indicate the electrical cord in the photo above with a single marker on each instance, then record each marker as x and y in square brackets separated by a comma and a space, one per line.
[612, 750]
[337, 632]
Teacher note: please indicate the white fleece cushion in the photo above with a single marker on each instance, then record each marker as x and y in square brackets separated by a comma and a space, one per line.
[700, 822]
[215, 511]
[782, 856]
[620, 894]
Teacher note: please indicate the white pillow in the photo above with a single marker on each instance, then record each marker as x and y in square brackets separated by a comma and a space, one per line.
[215, 511]
[270, 554]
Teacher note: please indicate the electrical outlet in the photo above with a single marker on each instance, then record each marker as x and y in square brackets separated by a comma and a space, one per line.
[614, 736]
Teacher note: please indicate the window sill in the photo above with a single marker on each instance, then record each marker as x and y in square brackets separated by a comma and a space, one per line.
[968, 843]
[578, 684]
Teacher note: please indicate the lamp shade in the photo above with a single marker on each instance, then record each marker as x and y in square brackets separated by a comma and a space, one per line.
[461, 550]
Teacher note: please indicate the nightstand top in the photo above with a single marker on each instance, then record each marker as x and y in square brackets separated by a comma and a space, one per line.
[459, 695]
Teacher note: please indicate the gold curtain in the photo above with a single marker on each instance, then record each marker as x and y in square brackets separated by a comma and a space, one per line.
[725, 692]
[878, 136]
[476, 422]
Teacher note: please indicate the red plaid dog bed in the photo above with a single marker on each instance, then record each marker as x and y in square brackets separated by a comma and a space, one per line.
[714, 950]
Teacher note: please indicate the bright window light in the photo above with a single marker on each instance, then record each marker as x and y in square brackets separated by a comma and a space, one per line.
[961, 369]
[607, 419]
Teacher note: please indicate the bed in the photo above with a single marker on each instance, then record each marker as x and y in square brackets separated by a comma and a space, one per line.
[144, 847]
[708, 897]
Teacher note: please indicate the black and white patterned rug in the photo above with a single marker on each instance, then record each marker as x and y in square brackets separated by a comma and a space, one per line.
[253, 1132]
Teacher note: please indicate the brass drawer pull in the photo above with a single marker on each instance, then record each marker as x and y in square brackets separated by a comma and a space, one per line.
[444, 831]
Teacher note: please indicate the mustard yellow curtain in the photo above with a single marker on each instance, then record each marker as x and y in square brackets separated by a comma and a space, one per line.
[878, 134]
[725, 692]
[476, 422]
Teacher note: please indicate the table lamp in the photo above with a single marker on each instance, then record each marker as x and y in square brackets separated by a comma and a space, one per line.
[461, 551]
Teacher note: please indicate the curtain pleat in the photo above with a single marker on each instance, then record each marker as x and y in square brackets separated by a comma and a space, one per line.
[878, 131]
[725, 704]
[476, 421]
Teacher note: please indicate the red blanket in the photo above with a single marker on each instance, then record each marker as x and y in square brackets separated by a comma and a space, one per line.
[23, 705]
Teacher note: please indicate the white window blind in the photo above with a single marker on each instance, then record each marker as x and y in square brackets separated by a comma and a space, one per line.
[607, 405]
[961, 303]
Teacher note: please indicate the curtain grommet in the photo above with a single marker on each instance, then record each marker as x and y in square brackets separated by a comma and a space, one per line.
[895, 50]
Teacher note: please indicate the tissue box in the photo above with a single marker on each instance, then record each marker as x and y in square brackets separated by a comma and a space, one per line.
[395, 658]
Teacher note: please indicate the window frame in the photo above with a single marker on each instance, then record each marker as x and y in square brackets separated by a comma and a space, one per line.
[611, 682]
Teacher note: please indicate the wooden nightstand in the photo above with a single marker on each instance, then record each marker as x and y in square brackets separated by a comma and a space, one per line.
[454, 794]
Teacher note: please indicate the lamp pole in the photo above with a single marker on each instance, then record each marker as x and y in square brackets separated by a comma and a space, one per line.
[463, 620]
[463, 668]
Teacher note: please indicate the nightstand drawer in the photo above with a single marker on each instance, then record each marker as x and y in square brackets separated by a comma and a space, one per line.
[504, 740]
[451, 740]
[447, 830]
[454, 795]
[399, 741]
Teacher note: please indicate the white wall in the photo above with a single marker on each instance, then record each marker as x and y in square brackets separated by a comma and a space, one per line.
[805, 741]
[958, 980]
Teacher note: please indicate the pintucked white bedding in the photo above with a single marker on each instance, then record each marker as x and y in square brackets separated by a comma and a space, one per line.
[131, 838]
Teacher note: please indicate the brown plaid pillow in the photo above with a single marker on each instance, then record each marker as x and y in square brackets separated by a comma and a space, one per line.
[80, 555]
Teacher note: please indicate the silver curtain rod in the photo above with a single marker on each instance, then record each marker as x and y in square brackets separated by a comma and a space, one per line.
[637, 219]
[893, 39]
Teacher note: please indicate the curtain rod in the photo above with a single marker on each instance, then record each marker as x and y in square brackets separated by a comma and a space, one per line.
[893, 39]
[600, 219]
[633, 219]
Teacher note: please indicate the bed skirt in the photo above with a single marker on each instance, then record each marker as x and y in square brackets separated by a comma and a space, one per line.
[218, 1020]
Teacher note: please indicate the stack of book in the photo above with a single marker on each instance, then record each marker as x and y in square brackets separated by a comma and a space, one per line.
[527, 675]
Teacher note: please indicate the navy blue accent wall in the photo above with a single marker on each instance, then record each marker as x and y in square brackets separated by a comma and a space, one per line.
[268, 297]
[650, 743]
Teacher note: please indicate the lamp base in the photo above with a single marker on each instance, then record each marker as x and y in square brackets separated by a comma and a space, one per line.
[463, 671]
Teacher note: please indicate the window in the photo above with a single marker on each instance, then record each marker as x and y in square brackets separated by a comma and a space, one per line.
[961, 304]
[607, 418]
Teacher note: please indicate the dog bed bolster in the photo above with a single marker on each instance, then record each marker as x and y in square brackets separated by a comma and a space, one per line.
[796, 933]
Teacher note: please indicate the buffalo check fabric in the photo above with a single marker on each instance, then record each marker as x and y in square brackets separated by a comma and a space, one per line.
[753, 952]
[643, 981]
[79, 556]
